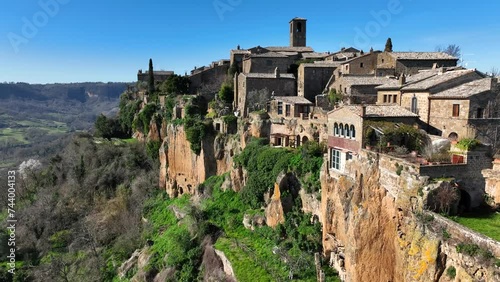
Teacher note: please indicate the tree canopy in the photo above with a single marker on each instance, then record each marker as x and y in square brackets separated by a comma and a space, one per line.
[176, 84]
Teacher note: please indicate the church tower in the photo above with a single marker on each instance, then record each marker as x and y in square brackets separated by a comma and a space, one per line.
[298, 32]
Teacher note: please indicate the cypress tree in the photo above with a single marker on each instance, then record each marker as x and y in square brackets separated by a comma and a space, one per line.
[388, 45]
[151, 81]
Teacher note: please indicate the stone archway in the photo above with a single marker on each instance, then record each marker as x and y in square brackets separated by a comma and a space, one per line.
[453, 136]
[304, 139]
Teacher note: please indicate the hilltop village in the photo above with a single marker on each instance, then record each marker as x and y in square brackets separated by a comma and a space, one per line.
[400, 130]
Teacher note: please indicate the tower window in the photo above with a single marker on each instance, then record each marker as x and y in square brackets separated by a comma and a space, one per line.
[299, 27]
[480, 113]
[361, 65]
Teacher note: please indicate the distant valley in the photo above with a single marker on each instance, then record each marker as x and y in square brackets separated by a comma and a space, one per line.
[35, 118]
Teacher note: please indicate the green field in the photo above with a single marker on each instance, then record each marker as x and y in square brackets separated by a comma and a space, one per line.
[488, 225]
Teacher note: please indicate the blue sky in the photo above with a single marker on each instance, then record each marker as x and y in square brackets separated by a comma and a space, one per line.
[45, 41]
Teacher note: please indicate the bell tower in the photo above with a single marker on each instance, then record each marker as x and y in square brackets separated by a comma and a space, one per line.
[298, 32]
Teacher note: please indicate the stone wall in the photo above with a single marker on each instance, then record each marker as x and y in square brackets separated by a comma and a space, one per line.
[362, 65]
[266, 64]
[254, 92]
[312, 79]
[212, 76]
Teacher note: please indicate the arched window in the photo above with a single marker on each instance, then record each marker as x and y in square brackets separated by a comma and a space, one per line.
[341, 129]
[414, 106]
[353, 132]
[336, 129]
[299, 27]
[347, 131]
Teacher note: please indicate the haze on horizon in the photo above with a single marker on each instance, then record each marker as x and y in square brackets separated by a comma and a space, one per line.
[49, 41]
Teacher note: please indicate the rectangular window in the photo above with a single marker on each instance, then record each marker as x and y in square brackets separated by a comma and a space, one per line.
[385, 98]
[480, 113]
[334, 159]
[280, 108]
[394, 99]
[348, 156]
[361, 65]
[456, 110]
[287, 110]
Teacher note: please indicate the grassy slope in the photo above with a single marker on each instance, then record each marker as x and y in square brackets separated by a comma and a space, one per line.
[488, 225]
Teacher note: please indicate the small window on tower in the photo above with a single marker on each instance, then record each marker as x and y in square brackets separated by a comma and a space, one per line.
[480, 113]
[299, 27]
[361, 65]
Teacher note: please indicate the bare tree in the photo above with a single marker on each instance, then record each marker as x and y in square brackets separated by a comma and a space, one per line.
[494, 72]
[452, 49]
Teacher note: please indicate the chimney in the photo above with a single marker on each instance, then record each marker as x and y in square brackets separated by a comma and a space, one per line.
[277, 72]
[434, 66]
[402, 79]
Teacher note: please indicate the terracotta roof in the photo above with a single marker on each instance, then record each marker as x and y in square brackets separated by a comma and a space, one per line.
[467, 89]
[438, 78]
[365, 80]
[422, 56]
[293, 100]
[289, 49]
[393, 83]
[240, 51]
[315, 55]
[320, 64]
[385, 111]
[268, 75]
[268, 55]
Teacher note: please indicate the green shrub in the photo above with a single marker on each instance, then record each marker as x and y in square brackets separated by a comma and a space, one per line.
[468, 249]
[451, 272]
[153, 148]
[144, 118]
[468, 144]
[226, 93]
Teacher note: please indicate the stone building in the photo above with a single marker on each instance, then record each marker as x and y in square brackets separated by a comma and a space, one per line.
[159, 76]
[357, 89]
[345, 129]
[467, 110]
[254, 90]
[444, 99]
[396, 63]
[360, 65]
[294, 120]
[312, 78]
[211, 75]
[267, 62]
[343, 55]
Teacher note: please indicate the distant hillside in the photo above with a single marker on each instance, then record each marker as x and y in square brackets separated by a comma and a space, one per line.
[33, 117]
[75, 91]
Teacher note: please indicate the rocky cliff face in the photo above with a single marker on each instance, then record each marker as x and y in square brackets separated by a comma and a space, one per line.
[374, 228]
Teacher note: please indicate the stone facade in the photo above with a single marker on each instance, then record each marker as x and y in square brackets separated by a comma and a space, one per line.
[412, 62]
[362, 65]
[312, 79]
[211, 75]
[294, 121]
[267, 63]
[254, 90]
